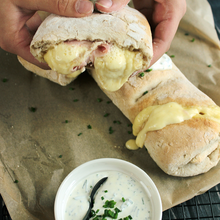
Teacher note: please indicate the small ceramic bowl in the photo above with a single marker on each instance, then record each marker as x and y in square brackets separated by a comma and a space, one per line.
[66, 189]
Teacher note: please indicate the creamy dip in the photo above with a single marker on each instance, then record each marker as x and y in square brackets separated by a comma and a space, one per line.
[131, 197]
[164, 63]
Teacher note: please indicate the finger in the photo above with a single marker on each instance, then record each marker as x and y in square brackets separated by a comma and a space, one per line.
[110, 5]
[167, 24]
[33, 23]
[72, 8]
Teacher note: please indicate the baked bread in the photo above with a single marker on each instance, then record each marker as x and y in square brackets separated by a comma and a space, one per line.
[48, 74]
[114, 45]
[186, 147]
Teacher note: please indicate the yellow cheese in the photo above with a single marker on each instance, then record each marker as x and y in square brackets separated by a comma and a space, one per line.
[112, 69]
[64, 57]
[157, 117]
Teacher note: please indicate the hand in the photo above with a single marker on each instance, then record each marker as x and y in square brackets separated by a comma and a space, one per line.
[164, 17]
[19, 20]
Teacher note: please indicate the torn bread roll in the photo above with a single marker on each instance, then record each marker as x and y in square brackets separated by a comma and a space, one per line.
[113, 45]
[177, 123]
[48, 74]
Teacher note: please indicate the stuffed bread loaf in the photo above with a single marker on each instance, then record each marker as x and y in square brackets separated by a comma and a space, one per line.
[178, 124]
[184, 145]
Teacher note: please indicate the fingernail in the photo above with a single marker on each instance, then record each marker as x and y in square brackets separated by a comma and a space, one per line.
[84, 7]
[105, 3]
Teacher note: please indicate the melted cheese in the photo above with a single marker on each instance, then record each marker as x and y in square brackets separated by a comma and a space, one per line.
[114, 69]
[111, 70]
[64, 57]
[157, 117]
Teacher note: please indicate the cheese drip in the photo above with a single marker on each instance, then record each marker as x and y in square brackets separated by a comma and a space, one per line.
[64, 57]
[111, 70]
[157, 117]
[114, 69]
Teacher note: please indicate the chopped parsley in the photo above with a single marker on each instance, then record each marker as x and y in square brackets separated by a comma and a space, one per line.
[109, 204]
[105, 191]
[117, 122]
[186, 34]
[60, 156]
[106, 115]
[193, 40]
[110, 211]
[145, 92]
[148, 70]
[16, 181]
[71, 88]
[110, 130]
[209, 65]
[172, 56]
[99, 100]
[80, 134]
[108, 102]
[129, 132]
[89, 127]
[4, 80]
[32, 109]
[75, 100]
[66, 121]
[123, 199]
[141, 74]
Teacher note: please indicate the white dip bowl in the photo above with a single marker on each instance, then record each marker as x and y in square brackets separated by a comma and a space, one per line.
[73, 194]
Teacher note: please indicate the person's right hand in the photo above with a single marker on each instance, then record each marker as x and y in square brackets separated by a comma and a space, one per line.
[164, 17]
[19, 20]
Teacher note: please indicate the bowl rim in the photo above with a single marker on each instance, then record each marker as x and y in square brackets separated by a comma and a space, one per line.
[107, 164]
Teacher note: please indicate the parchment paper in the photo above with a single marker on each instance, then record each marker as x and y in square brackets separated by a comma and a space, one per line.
[41, 123]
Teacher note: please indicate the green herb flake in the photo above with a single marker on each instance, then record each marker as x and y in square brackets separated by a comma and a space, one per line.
[80, 134]
[89, 127]
[75, 100]
[116, 122]
[60, 156]
[105, 191]
[172, 56]
[209, 65]
[106, 115]
[141, 74]
[16, 181]
[109, 204]
[129, 125]
[186, 34]
[66, 121]
[97, 211]
[99, 100]
[71, 88]
[148, 70]
[4, 80]
[108, 102]
[123, 199]
[102, 198]
[32, 109]
[110, 130]
[193, 40]
[145, 92]
[93, 213]
[129, 132]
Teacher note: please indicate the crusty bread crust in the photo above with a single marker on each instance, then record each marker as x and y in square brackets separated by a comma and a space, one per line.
[127, 28]
[49, 74]
[184, 149]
